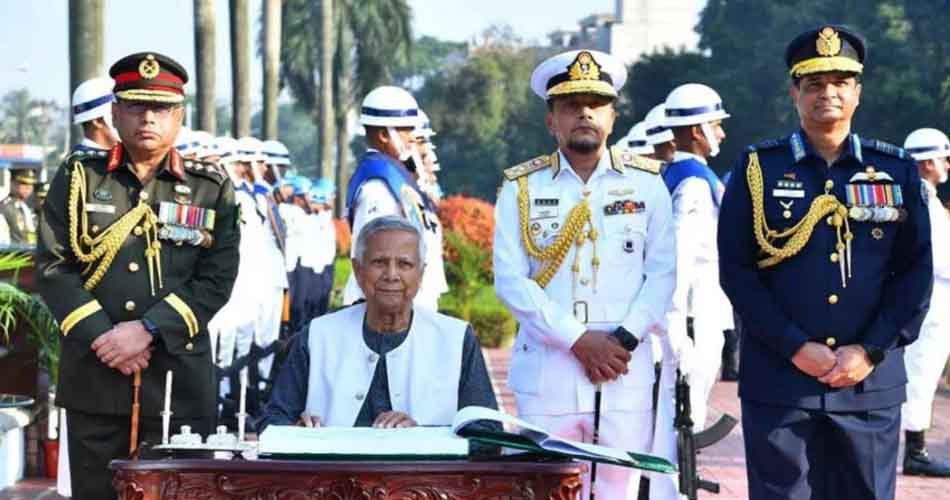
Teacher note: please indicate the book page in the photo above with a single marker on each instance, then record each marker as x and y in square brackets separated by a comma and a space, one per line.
[362, 441]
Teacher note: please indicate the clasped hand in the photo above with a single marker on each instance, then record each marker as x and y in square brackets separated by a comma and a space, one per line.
[125, 347]
[601, 355]
[844, 367]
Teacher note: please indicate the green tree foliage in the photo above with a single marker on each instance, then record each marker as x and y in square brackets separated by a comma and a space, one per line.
[486, 117]
[742, 44]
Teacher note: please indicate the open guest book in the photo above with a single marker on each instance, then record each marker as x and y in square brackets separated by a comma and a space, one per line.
[521, 435]
[422, 443]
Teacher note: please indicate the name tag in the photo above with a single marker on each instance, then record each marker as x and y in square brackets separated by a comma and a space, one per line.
[788, 193]
[99, 208]
[544, 212]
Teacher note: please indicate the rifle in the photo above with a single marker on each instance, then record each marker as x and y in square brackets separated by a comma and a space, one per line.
[687, 443]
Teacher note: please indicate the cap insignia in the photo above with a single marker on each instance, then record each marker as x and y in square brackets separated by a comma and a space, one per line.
[828, 43]
[584, 67]
[149, 67]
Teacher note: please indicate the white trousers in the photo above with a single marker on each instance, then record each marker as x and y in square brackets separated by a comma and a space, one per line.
[627, 430]
[706, 360]
[925, 360]
[63, 485]
[665, 486]
[266, 327]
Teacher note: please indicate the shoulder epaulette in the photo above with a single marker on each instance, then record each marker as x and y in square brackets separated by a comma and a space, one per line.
[528, 167]
[767, 144]
[886, 148]
[206, 169]
[86, 154]
[621, 158]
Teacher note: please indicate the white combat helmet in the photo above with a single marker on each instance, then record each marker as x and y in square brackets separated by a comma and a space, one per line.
[424, 126]
[227, 148]
[205, 143]
[186, 142]
[926, 144]
[276, 153]
[637, 140]
[93, 99]
[657, 131]
[696, 104]
[389, 106]
[250, 149]
[693, 104]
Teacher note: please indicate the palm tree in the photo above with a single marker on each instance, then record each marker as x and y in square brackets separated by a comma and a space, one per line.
[86, 49]
[240, 69]
[370, 36]
[327, 49]
[271, 56]
[204, 65]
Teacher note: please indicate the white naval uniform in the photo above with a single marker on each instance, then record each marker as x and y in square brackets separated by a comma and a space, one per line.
[234, 323]
[375, 200]
[698, 294]
[633, 288]
[272, 282]
[342, 367]
[927, 356]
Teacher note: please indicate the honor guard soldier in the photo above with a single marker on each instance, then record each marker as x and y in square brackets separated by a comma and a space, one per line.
[384, 182]
[827, 259]
[659, 135]
[92, 109]
[584, 258]
[694, 115]
[16, 209]
[137, 250]
[637, 141]
[927, 357]
[322, 254]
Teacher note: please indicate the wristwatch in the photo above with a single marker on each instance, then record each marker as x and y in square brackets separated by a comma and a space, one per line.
[150, 327]
[875, 354]
[627, 339]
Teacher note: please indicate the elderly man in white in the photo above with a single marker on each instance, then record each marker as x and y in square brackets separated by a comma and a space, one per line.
[384, 362]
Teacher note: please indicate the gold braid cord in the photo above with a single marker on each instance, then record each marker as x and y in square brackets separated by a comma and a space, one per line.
[99, 252]
[572, 232]
[798, 235]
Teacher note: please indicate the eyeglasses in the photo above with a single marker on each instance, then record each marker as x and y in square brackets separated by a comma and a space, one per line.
[159, 109]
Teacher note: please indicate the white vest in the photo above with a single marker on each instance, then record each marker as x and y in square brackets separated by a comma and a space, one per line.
[423, 371]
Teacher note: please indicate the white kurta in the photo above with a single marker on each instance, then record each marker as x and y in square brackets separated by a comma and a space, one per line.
[633, 288]
[927, 356]
[423, 372]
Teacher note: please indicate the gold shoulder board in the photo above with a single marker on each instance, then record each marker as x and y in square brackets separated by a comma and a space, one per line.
[528, 167]
[638, 162]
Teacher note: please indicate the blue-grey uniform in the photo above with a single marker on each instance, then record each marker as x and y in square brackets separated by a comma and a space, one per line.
[874, 291]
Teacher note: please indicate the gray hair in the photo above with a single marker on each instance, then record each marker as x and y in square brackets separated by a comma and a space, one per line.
[388, 223]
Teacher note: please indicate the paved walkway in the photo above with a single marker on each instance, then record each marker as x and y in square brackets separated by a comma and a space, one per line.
[723, 462]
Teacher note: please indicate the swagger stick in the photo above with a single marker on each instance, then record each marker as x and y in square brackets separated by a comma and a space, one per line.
[134, 432]
[593, 465]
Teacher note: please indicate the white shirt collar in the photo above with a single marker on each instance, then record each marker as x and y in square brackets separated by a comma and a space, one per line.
[92, 144]
[685, 155]
[603, 165]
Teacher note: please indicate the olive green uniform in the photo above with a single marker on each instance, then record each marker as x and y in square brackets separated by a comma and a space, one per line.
[20, 232]
[174, 284]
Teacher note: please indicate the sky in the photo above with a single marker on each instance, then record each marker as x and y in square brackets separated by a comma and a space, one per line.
[34, 45]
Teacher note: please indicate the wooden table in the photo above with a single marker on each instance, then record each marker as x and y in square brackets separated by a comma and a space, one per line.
[186, 479]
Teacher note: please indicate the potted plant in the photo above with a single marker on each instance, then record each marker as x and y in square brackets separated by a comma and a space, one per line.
[19, 308]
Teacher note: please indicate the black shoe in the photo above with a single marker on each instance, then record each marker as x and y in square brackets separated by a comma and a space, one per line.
[922, 464]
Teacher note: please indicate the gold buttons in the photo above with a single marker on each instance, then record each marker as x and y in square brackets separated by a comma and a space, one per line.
[189, 347]
[832, 299]
[359, 396]
[137, 231]
[95, 229]
[833, 257]
[830, 220]
[829, 184]
[133, 267]
[130, 306]
[830, 342]
[585, 281]
[143, 196]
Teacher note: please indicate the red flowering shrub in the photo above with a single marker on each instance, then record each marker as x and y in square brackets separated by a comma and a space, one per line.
[344, 238]
[472, 219]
